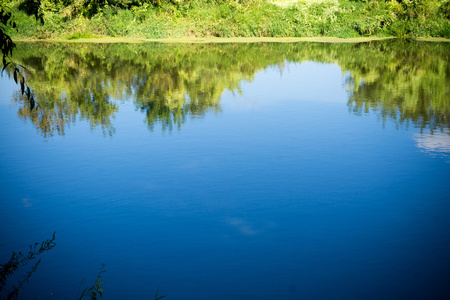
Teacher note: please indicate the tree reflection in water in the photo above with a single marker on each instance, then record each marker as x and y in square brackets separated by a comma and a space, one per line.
[407, 82]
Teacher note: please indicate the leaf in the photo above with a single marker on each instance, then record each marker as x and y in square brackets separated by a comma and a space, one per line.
[156, 295]
[5, 65]
[15, 75]
[22, 85]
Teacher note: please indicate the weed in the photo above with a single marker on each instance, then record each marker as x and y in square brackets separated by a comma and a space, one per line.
[237, 18]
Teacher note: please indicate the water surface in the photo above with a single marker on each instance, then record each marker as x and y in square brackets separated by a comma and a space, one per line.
[231, 171]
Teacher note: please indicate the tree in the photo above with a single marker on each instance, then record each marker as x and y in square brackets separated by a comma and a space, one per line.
[7, 47]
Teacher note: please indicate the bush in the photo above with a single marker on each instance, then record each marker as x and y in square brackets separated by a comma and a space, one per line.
[444, 9]
[234, 18]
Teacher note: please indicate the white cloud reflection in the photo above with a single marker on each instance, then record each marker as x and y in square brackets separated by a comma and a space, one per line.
[27, 202]
[242, 226]
[437, 143]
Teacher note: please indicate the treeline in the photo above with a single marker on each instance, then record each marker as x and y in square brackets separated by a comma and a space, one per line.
[405, 82]
[71, 19]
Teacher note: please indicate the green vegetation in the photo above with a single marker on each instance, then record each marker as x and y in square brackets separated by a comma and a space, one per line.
[95, 291]
[7, 46]
[409, 86]
[404, 81]
[73, 19]
[20, 260]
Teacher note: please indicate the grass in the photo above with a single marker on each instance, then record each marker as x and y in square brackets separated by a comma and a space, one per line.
[239, 18]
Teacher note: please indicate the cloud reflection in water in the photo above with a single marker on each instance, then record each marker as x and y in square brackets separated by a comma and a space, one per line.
[437, 143]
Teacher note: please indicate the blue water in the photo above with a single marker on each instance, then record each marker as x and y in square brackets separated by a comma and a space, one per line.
[282, 194]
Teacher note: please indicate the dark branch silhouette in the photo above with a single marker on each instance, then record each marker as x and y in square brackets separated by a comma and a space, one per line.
[18, 260]
[7, 46]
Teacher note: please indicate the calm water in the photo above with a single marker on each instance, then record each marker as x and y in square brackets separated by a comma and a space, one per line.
[234, 171]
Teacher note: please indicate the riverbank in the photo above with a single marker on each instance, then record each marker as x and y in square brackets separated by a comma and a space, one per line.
[232, 18]
[215, 40]
[116, 40]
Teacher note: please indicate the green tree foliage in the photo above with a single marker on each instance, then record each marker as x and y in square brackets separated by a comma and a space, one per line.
[7, 46]
[405, 81]
[404, 18]
[88, 8]
[234, 18]
[412, 85]
[32, 7]
[444, 9]
[6, 43]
